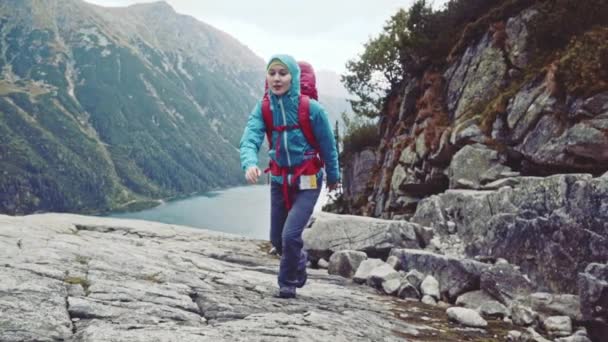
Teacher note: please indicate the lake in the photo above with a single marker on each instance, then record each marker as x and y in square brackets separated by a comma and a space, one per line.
[241, 210]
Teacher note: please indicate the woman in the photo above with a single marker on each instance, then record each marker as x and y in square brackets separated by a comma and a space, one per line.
[295, 165]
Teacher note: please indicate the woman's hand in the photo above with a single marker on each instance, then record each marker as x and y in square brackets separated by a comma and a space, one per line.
[252, 174]
[334, 186]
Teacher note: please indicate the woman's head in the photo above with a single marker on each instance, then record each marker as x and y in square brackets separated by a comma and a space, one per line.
[281, 72]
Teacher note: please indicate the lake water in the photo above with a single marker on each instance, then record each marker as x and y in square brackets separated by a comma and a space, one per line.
[241, 210]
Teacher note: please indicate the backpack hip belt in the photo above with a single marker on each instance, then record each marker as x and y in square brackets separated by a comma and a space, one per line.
[308, 167]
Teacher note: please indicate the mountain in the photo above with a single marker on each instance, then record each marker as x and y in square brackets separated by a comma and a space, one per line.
[103, 108]
[329, 84]
[333, 96]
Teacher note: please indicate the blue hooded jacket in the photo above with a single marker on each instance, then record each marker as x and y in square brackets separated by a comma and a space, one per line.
[292, 144]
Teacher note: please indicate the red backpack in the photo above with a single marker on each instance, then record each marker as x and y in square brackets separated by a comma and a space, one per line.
[308, 90]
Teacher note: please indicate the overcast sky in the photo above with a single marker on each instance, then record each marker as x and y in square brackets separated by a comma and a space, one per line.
[327, 33]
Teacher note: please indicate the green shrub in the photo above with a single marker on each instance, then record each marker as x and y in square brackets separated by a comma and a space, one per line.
[583, 67]
[358, 137]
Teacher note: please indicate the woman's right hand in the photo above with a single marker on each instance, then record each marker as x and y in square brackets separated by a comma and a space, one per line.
[252, 174]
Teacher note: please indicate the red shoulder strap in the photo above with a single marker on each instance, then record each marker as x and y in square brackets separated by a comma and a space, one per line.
[267, 116]
[304, 120]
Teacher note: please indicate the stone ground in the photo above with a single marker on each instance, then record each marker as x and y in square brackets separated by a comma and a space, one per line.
[79, 278]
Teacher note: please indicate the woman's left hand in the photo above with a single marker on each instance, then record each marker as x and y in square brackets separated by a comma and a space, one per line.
[333, 186]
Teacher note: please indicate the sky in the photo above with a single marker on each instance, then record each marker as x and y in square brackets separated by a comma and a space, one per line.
[326, 33]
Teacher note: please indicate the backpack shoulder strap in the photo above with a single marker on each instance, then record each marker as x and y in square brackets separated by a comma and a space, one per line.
[304, 121]
[267, 116]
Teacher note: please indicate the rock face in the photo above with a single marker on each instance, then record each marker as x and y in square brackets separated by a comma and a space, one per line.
[593, 288]
[90, 279]
[560, 220]
[330, 233]
[488, 121]
[498, 152]
[359, 172]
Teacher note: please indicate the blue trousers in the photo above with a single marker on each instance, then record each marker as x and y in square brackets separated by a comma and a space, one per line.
[286, 231]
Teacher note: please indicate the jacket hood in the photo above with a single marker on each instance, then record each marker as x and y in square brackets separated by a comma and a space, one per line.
[294, 70]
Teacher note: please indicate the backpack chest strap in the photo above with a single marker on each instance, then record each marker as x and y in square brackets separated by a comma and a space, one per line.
[284, 128]
[304, 122]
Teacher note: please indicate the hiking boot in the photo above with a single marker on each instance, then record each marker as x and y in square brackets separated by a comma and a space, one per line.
[274, 251]
[302, 280]
[287, 292]
[302, 277]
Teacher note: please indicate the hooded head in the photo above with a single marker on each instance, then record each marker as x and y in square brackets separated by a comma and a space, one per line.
[294, 70]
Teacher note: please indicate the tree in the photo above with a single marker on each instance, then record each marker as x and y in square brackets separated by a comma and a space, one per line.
[379, 68]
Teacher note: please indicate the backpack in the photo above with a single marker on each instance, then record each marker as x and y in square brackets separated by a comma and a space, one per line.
[308, 90]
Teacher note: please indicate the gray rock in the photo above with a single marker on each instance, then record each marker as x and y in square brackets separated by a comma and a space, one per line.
[407, 290]
[407, 202]
[451, 227]
[415, 278]
[32, 306]
[475, 165]
[390, 286]
[582, 141]
[470, 133]
[550, 227]
[530, 335]
[408, 156]
[573, 338]
[593, 287]
[365, 270]
[501, 261]
[593, 292]
[466, 317]
[514, 336]
[428, 300]
[430, 287]
[357, 175]
[382, 273]
[471, 78]
[455, 276]
[505, 283]
[579, 336]
[523, 315]
[518, 37]
[424, 234]
[483, 303]
[345, 263]
[394, 262]
[526, 108]
[330, 233]
[494, 309]
[547, 304]
[322, 263]
[558, 326]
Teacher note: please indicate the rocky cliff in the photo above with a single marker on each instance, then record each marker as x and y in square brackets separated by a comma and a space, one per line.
[501, 150]
[506, 108]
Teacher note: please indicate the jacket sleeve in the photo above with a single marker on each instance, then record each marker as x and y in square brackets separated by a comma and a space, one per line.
[252, 138]
[326, 140]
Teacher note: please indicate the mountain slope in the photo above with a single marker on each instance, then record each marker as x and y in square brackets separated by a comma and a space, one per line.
[100, 107]
[333, 96]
